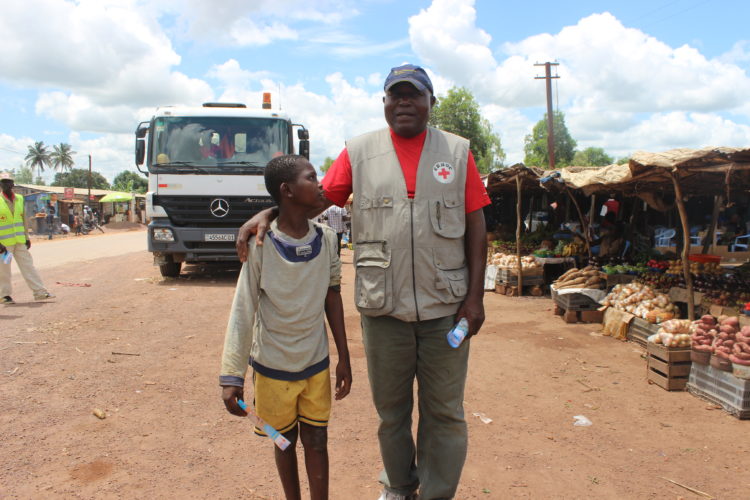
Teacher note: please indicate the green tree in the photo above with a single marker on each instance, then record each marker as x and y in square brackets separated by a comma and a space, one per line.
[24, 175]
[591, 157]
[458, 113]
[38, 157]
[61, 157]
[128, 181]
[326, 164]
[39, 181]
[79, 178]
[623, 160]
[535, 144]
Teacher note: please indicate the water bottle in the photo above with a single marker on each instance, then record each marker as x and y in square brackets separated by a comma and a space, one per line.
[458, 333]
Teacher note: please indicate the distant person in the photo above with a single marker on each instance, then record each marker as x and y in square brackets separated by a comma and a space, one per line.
[277, 322]
[50, 219]
[611, 241]
[15, 244]
[613, 206]
[77, 224]
[336, 218]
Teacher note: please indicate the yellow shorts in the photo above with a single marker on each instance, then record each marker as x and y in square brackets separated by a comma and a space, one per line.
[283, 403]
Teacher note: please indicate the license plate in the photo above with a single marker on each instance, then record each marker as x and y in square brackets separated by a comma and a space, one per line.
[218, 237]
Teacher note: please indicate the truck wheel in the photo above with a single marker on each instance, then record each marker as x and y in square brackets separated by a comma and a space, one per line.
[170, 269]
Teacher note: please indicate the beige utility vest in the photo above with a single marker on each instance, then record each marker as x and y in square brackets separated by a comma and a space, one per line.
[409, 253]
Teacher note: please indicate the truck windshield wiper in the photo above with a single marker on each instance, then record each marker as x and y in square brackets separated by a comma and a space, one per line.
[241, 163]
[181, 166]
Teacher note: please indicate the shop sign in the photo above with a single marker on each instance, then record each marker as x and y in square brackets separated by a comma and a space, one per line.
[69, 193]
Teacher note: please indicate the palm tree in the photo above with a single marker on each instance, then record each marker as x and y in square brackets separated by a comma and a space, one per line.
[38, 157]
[62, 157]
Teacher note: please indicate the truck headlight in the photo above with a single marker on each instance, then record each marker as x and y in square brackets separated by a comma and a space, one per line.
[163, 234]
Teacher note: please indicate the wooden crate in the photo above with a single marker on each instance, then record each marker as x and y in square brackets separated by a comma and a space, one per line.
[574, 301]
[509, 276]
[668, 367]
[512, 290]
[639, 330]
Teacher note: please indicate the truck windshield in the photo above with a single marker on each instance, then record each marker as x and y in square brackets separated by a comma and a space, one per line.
[207, 144]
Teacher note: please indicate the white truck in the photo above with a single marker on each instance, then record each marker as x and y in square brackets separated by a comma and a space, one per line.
[205, 176]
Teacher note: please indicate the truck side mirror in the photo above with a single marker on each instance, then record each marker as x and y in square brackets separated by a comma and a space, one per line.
[140, 151]
[304, 142]
[304, 148]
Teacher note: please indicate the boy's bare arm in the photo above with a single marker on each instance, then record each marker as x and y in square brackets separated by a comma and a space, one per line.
[335, 313]
[258, 225]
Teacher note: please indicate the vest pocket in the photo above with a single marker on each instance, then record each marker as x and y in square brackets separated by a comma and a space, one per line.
[450, 274]
[447, 216]
[373, 282]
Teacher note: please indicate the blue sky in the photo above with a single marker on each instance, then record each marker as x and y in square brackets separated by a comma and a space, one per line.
[637, 75]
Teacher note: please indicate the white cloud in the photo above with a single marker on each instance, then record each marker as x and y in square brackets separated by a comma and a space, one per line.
[241, 23]
[107, 58]
[612, 77]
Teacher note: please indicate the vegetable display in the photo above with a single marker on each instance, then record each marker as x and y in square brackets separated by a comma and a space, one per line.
[673, 333]
[704, 333]
[641, 301]
[511, 261]
[741, 348]
[726, 336]
[588, 277]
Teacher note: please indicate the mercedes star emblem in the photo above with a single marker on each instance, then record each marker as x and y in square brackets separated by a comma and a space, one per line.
[219, 207]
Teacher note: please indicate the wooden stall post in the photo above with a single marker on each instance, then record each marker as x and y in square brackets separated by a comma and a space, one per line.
[685, 245]
[518, 234]
[708, 241]
[584, 225]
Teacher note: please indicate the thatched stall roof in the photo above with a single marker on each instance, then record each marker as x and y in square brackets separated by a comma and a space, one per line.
[706, 171]
[505, 179]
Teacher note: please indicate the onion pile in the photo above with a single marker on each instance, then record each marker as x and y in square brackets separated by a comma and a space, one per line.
[673, 333]
[507, 260]
[642, 301]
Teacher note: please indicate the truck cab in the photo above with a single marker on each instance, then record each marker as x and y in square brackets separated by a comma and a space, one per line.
[205, 176]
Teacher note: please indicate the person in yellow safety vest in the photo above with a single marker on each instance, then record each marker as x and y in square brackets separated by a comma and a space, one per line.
[15, 244]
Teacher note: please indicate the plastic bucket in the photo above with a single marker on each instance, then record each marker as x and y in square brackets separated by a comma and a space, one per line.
[704, 257]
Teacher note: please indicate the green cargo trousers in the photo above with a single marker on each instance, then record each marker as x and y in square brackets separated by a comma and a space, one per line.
[397, 352]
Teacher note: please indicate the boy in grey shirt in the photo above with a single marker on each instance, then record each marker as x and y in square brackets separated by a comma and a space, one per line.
[277, 323]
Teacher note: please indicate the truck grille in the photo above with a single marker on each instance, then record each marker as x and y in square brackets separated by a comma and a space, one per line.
[195, 211]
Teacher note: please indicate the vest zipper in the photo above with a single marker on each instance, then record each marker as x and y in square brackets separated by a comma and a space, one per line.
[413, 273]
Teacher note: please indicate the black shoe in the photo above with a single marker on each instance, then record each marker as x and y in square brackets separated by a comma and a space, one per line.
[7, 300]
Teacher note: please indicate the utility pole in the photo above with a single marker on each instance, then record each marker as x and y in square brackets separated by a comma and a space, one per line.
[88, 199]
[550, 129]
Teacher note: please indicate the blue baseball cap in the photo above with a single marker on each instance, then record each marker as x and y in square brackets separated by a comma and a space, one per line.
[409, 73]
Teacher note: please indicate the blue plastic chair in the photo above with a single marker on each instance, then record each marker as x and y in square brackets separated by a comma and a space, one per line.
[740, 247]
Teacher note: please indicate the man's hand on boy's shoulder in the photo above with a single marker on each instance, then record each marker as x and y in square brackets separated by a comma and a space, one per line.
[343, 378]
[230, 394]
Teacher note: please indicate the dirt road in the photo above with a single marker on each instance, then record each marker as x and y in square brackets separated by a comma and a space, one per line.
[146, 352]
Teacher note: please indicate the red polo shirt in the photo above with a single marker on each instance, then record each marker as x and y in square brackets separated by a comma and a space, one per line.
[337, 183]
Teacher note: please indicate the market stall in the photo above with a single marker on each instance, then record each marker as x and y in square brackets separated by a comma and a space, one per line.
[534, 228]
[674, 175]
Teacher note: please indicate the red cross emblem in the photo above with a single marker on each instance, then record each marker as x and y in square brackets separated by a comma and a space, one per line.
[443, 172]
